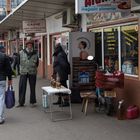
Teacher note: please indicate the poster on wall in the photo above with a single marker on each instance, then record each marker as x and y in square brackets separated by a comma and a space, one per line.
[101, 6]
[81, 42]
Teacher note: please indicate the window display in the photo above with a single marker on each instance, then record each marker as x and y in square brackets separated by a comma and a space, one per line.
[37, 47]
[98, 47]
[129, 49]
[111, 49]
[124, 37]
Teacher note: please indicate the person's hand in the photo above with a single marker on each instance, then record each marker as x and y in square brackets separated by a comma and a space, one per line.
[54, 76]
[9, 82]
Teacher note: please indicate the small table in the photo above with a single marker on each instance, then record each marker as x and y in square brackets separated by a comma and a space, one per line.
[86, 95]
[50, 91]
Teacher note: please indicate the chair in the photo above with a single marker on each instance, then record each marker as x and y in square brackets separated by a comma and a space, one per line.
[86, 96]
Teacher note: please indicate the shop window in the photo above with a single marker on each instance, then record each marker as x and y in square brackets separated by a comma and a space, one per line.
[37, 47]
[129, 49]
[111, 62]
[98, 47]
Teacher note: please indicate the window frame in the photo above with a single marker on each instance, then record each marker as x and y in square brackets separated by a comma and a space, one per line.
[118, 26]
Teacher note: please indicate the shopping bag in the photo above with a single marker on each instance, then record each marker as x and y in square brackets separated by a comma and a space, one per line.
[10, 97]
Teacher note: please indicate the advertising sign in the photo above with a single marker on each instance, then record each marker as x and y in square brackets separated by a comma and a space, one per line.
[99, 6]
[34, 26]
[78, 38]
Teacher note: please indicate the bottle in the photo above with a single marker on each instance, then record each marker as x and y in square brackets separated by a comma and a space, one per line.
[44, 101]
[121, 110]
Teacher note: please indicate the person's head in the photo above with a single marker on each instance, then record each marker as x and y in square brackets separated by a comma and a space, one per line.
[58, 47]
[2, 49]
[82, 45]
[29, 45]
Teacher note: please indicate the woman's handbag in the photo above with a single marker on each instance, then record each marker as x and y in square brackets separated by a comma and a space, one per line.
[10, 97]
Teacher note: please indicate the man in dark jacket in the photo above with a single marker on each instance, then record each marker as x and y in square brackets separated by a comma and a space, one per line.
[61, 69]
[5, 70]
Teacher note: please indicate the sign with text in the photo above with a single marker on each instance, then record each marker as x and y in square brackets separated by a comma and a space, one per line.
[34, 26]
[99, 6]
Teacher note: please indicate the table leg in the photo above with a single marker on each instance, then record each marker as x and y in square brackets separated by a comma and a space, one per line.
[86, 105]
[51, 112]
[83, 104]
[70, 107]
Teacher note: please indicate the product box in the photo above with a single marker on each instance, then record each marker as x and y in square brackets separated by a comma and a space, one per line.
[110, 93]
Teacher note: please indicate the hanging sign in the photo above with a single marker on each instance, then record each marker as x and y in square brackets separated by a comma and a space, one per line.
[34, 26]
[99, 6]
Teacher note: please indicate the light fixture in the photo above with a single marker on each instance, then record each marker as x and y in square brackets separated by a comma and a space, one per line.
[90, 57]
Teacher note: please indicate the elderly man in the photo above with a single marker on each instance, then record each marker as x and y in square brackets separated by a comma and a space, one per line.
[28, 70]
[5, 70]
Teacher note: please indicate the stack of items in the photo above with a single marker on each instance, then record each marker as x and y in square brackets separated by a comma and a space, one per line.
[55, 84]
[109, 81]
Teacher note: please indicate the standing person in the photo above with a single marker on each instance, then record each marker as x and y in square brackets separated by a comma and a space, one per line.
[28, 70]
[61, 69]
[16, 62]
[5, 70]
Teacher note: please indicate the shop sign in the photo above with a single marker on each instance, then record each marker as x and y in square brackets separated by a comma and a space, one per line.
[101, 6]
[34, 26]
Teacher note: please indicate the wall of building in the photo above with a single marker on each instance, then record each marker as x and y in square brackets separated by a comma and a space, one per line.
[84, 23]
[54, 26]
[132, 91]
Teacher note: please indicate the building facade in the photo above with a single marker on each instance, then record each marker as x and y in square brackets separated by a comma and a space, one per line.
[116, 43]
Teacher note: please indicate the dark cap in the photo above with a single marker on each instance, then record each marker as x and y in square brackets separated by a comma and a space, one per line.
[30, 42]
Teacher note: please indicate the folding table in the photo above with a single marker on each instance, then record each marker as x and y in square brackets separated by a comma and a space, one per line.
[50, 92]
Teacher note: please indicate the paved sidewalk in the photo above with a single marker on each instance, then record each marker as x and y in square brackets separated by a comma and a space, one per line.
[34, 124]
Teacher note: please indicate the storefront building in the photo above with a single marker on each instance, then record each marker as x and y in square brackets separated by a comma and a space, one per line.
[116, 45]
[117, 48]
[55, 34]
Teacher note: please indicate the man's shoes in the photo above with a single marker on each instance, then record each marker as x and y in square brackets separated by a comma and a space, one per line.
[19, 106]
[2, 122]
[33, 105]
[64, 104]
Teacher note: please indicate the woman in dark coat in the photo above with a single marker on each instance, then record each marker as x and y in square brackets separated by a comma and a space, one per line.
[61, 68]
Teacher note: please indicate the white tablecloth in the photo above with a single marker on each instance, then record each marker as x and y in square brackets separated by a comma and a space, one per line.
[50, 90]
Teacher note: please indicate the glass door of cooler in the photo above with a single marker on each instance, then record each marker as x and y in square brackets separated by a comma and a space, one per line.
[98, 47]
[111, 60]
[129, 49]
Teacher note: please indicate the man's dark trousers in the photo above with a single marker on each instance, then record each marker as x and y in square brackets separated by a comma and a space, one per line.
[22, 88]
